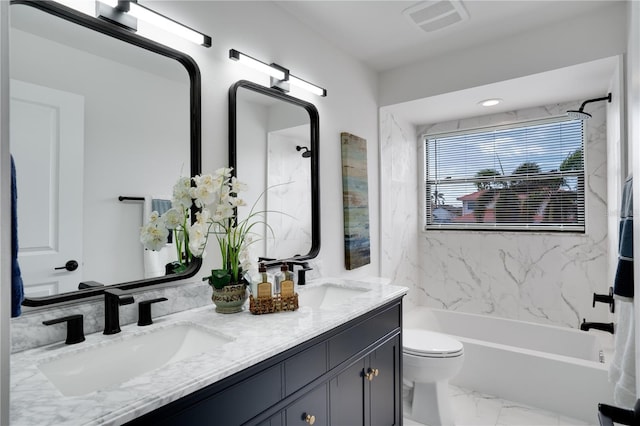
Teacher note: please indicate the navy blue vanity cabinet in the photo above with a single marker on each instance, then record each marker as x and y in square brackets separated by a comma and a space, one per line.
[350, 375]
[369, 391]
[273, 421]
[383, 393]
[347, 396]
[312, 408]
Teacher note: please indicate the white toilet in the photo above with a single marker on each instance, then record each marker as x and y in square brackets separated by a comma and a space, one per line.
[430, 359]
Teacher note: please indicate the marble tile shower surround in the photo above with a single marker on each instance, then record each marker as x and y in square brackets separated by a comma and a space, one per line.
[541, 277]
[400, 209]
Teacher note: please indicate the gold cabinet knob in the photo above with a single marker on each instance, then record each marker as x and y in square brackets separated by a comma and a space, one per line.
[309, 418]
[371, 373]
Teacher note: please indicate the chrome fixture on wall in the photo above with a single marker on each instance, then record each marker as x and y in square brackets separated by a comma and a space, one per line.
[125, 13]
[281, 78]
[580, 114]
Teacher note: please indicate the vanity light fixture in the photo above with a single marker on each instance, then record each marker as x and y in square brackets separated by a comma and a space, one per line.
[280, 76]
[273, 70]
[307, 86]
[490, 102]
[126, 12]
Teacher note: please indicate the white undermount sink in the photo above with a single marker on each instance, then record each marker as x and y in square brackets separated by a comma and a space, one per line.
[327, 295]
[83, 372]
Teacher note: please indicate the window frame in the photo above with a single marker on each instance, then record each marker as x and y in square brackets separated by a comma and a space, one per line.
[563, 228]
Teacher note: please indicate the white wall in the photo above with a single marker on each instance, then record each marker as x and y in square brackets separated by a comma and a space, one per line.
[251, 134]
[584, 38]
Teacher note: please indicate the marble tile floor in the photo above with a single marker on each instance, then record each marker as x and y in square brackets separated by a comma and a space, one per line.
[476, 409]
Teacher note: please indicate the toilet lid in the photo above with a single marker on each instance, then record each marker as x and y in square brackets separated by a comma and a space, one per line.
[429, 343]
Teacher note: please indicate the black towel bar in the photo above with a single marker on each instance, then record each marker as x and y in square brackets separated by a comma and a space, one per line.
[124, 198]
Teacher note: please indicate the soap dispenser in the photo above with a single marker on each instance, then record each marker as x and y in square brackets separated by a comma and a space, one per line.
[264, 287]
[279, 278]
[286, 285]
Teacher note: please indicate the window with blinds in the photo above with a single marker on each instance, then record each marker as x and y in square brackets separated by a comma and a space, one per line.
[527, 176]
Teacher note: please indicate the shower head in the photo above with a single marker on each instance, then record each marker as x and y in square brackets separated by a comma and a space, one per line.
[306, 153]
[580, 114]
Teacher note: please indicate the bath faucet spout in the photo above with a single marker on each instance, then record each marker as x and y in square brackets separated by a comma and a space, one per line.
[301, 272]
[113, 298]
[586, 326]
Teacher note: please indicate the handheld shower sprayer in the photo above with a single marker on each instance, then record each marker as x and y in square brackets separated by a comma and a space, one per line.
[580, 114]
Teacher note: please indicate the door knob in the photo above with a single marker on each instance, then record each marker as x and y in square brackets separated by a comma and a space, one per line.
[71, 265]
[309, 418]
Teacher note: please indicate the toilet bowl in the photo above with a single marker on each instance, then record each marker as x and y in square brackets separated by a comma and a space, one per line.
[430, 359]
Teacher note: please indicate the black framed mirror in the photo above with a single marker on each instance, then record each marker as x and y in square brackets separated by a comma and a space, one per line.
[140, 110]
[274, 149]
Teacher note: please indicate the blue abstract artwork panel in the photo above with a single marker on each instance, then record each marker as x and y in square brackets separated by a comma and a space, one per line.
[355, 196]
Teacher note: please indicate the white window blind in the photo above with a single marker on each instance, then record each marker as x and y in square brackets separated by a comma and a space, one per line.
[528, 176]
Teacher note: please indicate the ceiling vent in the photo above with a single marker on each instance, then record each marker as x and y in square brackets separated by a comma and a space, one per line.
[435, 15]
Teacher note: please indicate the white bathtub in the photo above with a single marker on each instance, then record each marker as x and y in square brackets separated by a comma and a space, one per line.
[553, 368]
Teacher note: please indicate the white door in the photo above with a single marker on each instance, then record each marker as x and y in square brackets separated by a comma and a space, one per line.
[47, 140]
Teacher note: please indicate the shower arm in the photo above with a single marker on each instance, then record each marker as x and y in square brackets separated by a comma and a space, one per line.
[605, 98]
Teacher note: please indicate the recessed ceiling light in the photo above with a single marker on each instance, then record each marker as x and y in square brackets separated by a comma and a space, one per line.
[490, 102]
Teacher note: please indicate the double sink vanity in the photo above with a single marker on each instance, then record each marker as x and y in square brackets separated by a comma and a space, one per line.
[333, 361]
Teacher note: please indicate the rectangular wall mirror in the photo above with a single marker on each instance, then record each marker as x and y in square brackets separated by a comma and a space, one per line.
[97, 113]
[274, 149]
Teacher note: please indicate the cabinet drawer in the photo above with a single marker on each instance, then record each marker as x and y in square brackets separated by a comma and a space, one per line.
[305, 367]
[234, 406]
[358, 337]
[311, 408]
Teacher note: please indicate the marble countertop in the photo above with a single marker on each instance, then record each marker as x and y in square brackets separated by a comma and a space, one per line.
[36, 401]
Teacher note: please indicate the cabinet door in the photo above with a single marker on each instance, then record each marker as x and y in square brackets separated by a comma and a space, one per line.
[384, 408]
[347, 396]
[311, 409]
[275, 420]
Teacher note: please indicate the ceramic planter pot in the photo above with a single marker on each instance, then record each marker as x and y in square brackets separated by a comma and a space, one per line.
[229, 299]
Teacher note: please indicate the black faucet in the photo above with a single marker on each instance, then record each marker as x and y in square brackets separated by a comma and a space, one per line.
[75, 328]
[270, 263]
[585, 326]
[144, 310]
[113, 298]
[605, 298]
[301, 272]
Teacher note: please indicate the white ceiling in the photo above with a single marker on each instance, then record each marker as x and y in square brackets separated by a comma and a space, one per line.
[578, 82]
[378, 34]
